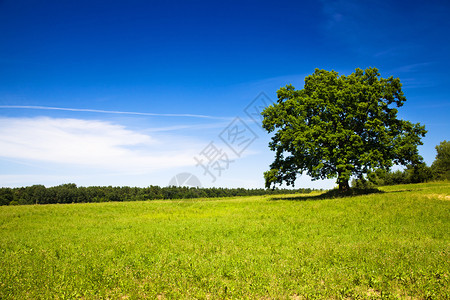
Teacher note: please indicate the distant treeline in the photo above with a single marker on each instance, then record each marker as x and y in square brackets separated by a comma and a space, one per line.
[439, 170]
[70, 193]
[412, 174]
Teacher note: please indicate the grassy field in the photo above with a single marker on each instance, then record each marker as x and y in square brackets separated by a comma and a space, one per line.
[386, 245]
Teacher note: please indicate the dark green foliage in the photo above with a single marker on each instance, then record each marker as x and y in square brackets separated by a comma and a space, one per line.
[441, 165]
[6, 196]
[70, 193]
[412, 174]
[417, 173]
[339, 126]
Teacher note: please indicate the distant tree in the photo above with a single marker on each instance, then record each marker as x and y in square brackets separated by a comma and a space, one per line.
[419, 173]
[6, 196]
[339, 126]
[36, 194]
[441, 165]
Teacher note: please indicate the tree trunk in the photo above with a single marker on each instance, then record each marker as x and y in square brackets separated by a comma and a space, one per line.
[344, 186]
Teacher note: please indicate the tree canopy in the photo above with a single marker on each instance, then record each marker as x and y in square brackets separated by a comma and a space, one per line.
[339, 126]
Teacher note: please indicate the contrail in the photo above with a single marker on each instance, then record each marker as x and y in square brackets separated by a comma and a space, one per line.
[113, 112]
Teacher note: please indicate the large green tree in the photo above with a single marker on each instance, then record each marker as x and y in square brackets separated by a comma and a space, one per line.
[339, 126]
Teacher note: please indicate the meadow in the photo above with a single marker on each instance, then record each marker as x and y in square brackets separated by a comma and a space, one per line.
[390, 245]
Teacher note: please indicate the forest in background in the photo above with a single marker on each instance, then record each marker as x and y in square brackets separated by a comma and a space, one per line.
[71, 193]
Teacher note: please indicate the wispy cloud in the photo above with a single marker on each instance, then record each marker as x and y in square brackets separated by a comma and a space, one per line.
[195, 127]
[91, 144]
[113, 112]
[411, 67]
[336, 11]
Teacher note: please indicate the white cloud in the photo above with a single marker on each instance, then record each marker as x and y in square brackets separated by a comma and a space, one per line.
[53, 151]
[90, 143]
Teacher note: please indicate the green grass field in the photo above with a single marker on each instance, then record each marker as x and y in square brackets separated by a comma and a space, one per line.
[386, 245]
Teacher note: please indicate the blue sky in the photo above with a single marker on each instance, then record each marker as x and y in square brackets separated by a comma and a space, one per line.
[148, 89]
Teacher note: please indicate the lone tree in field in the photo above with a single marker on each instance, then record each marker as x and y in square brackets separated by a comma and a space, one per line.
[339, 126]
